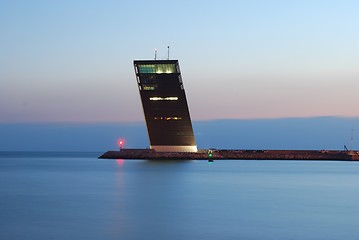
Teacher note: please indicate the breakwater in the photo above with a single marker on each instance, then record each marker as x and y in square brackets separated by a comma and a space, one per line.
[225, 154]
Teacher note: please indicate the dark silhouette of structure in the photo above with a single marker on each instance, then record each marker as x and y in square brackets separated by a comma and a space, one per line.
[165, 106]
[170, 130]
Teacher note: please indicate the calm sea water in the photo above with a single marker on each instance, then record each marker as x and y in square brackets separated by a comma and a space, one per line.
[77, 196]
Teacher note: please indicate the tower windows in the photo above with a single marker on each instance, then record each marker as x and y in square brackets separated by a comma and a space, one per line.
[163, 98]
[167, 118]
[157, 68]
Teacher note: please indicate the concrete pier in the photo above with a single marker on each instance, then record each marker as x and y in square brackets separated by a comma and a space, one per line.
[223, 154]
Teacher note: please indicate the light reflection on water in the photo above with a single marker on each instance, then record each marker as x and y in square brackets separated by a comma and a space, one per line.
[88, 198]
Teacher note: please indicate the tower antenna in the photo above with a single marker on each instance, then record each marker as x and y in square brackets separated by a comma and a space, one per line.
[168, 52]
[155, 53]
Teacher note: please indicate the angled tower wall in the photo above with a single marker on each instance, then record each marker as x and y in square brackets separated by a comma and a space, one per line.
[165, 106]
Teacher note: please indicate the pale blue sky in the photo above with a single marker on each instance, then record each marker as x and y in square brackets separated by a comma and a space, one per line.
[72, 60]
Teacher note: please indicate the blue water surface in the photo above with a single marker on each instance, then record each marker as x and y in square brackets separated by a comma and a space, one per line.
[77, 196]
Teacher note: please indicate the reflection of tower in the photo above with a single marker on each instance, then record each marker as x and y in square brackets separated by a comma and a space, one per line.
[165, 106]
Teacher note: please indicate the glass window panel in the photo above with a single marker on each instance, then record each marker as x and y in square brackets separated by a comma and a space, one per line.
[149, 87]
[146, 68]
[163, 98]
[165, 68]
[157, 68]
[168, 118]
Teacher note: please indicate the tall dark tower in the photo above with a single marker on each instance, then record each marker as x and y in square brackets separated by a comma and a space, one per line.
[165, 106]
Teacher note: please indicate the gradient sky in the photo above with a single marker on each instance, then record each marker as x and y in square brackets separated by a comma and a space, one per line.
[72, 60]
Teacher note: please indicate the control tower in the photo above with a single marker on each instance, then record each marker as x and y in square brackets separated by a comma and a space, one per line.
[165, 106]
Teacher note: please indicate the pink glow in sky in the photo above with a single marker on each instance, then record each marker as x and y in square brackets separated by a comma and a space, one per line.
[71, 61]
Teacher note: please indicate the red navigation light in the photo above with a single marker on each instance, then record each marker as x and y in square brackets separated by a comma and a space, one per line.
[120, 143]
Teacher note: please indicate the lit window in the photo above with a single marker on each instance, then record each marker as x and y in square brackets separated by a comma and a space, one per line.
[167, 118]
[149, 87]
[146, 68]
[163, 98]
[173, 118]
[165, 68]
[157, 68]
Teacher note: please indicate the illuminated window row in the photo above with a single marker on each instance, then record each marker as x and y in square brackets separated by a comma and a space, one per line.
[157, 68]
[149, 87]
[163, 98]
[167, 118]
